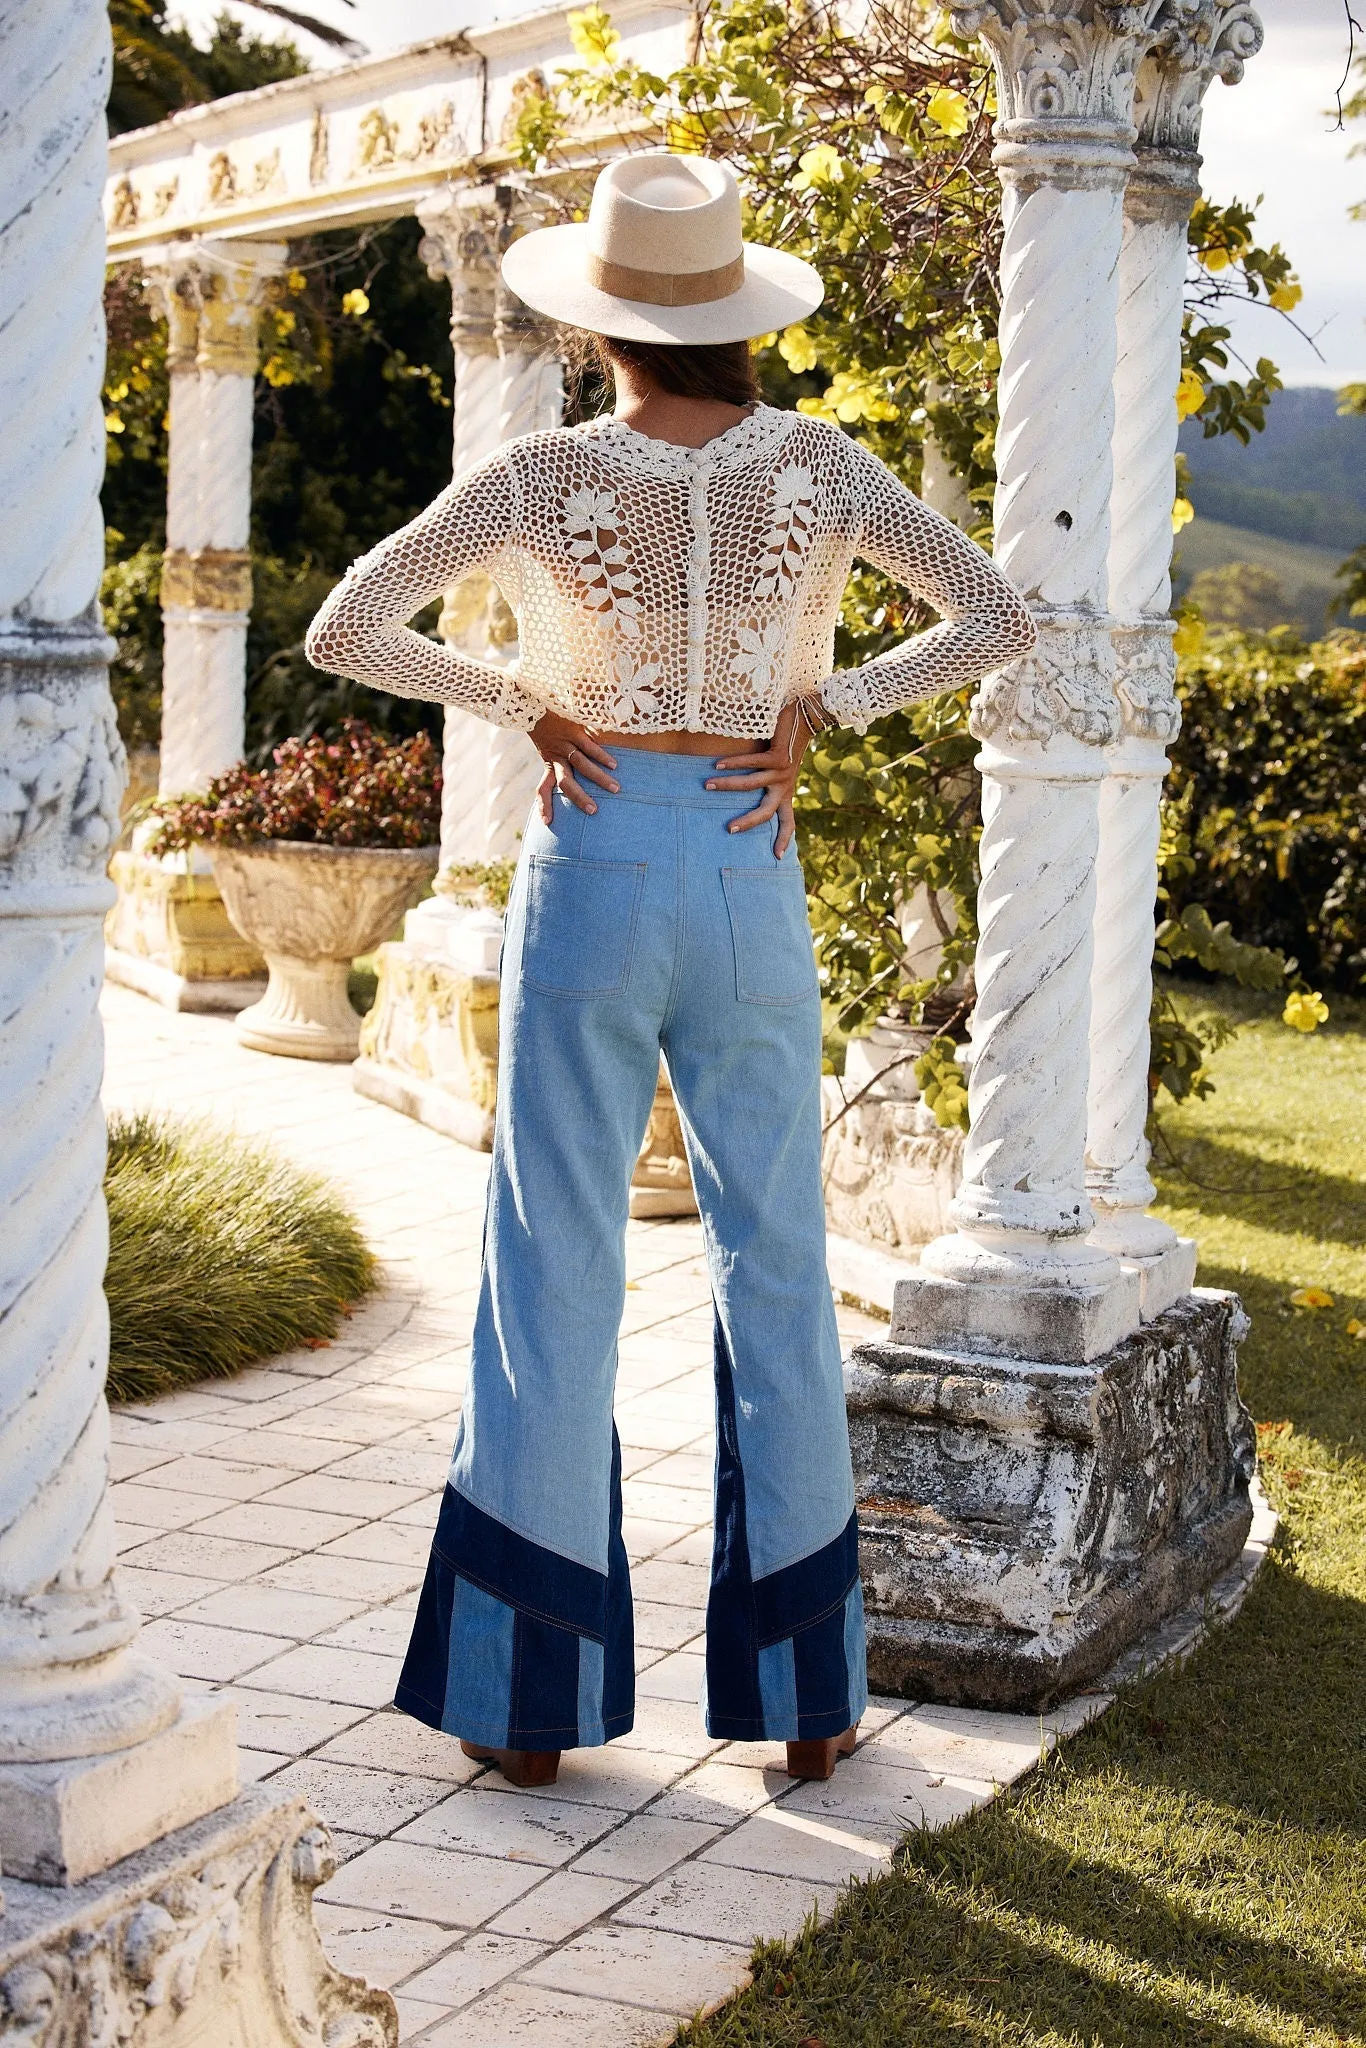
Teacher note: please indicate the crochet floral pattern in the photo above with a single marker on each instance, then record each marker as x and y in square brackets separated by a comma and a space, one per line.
[660, 589]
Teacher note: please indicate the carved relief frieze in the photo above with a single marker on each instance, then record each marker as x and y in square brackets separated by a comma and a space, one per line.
[318, 149]
[1064, 685]
[62, 767]
[124, 206]
[1145, 680]
[379, 145]
[222, 179]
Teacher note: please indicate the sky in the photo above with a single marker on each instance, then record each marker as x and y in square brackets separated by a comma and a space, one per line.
[1272, 135]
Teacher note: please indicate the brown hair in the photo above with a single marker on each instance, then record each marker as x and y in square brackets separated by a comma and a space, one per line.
[716, 369]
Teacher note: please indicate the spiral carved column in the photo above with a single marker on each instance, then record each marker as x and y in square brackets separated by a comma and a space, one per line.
[212, 294]
[1203, 41]
[1063, 153]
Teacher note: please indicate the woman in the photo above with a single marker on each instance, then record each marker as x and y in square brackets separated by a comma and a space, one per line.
[676, 571]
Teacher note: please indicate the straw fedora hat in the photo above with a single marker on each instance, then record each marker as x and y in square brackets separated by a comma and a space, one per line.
[661, 259]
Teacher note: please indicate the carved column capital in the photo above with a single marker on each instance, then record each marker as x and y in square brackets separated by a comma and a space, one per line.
[1065, 73]
[462, 241]
[212, 294]
[1197, 42]
[1064, 685]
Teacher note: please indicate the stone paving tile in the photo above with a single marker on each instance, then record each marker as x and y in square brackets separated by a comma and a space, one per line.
[567, 1902]
[390, 1741]
[415, 2016]
[863, 1790]
[740, 1906]
[994, 1747]
[384, 1630]
[675, 1677]
[255, 1764]
[475, 1964]
[291, 1528]
[420, 1882]
[645, 1967]
[326, 1571]
[670, 1727]
[517, 2014]
[387, 1543]
[666, 1628]
[148, 1429]
[138, 1502]
[197, 1651]
[216, 1475]
[719, 1794]
[694, 1548]
[283, 1721]
[348, 1676]
[156, 1593]
[408, 1464]
[370, 1802]
[272, 1610]
[794, 1844]
[644, 1848]
[514, 1826]
[362, 1499]
[621, 1779]
[278, 1448]
[672, 1585]
[127, 1461]
[379, 1946]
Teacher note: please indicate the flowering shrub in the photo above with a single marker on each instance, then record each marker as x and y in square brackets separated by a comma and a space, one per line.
[356, 790]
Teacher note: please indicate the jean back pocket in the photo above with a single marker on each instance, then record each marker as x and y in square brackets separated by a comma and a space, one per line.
[775, 961]
[580, 929]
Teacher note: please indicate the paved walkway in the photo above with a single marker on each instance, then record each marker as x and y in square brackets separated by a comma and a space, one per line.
[275, 1529]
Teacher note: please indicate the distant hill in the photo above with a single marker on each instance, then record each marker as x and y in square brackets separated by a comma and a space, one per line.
[1302, 479]
[1305, 573]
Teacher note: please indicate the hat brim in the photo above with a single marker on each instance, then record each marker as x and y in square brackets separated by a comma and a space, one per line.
[546, 270]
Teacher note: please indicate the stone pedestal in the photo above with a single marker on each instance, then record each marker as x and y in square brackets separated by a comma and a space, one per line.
[429, 1047]
[661, 1184]
[204, 1940]
[169, 935]
[1022, 1522]
[890, 1170]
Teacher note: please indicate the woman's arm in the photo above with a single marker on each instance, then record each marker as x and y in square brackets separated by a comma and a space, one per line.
[362, 630]
[984, 620]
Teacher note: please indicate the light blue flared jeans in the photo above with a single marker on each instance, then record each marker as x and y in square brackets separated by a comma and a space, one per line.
[647, 927]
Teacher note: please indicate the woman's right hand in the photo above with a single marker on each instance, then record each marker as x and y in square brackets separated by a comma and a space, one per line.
[572, 757]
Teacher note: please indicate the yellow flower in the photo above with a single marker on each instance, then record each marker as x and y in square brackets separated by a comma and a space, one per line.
[1216, 258]
[760, 342]
[285, 323]
[356, 302]
[1182, 514]
[819, 165]
[1311, 1297]
[797, 349]
[948, 110]
[1356, 1328]
[112, 423]
[851, 397]
[1304, 1010]
[296, 280]
[1287, 296]
[593, 36]
[1190, 395]
[1189, 637]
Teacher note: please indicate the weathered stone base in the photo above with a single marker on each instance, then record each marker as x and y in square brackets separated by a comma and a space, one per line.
[1022, 1523]
[662, 1184]
[204, 1940]
[169, 937]
[429, 1047]
[60, 1823]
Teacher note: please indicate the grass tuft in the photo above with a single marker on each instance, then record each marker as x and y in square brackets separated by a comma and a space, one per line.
[220, 1254]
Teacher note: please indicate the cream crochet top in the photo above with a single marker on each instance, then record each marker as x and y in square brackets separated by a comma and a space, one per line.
[660, 588]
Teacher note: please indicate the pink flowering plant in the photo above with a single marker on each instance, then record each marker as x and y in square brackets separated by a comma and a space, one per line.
[356, 789]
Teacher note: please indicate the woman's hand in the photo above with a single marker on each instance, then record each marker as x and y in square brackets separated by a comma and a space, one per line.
[570, 753]
[774, 770]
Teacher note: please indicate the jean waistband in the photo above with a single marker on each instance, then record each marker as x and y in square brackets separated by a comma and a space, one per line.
[652, 777]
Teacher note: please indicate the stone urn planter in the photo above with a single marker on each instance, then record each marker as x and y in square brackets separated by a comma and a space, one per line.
[311, 909]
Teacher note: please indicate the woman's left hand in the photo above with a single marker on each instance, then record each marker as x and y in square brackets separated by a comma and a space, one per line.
[775, 770]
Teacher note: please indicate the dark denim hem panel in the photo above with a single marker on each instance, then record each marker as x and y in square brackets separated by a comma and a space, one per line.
[525, 1576]
[418, 1709]
[804, 1593]
[810, 1727]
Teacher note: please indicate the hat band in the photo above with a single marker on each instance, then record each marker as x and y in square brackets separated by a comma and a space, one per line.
[666, 287]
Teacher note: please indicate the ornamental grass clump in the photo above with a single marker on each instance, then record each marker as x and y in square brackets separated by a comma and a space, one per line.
[356, 789]
[220, 1254]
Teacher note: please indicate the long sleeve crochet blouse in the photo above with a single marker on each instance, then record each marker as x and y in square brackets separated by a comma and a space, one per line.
[662, 589]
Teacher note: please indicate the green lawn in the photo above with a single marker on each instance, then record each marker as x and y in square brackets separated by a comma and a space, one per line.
[1191, 1869]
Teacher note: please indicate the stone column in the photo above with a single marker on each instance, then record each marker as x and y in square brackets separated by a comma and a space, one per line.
[430, 1045]
[1210, 39]
[1040, 1479]
[213, 294]
[1019, 1268]
[144, 1901]
[169, 934]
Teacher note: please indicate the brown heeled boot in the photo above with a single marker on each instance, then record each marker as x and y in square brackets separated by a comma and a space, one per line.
[818, 1759]
[522, 1767]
